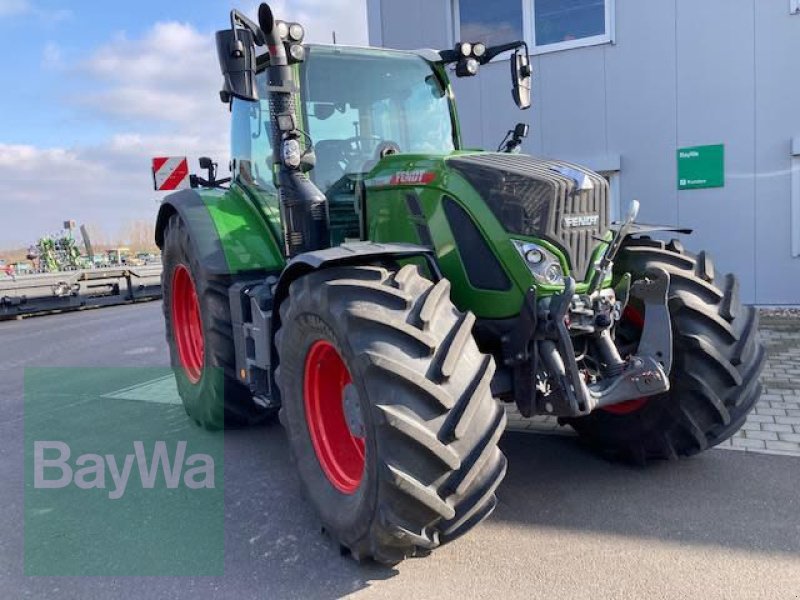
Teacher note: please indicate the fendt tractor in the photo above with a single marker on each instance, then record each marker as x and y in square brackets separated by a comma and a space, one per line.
[385, 291]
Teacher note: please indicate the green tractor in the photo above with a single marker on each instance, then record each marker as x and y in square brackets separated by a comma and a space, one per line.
[386, 290]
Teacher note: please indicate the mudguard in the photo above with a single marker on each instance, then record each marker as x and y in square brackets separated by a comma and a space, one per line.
[230, 236]
[347, 254]
[256, 304]
[204, 237]
[642, 228]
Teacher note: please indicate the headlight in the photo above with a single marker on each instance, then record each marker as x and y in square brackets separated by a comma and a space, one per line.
[534, 256]
[467, 67]
[291, 153]
[554, 274]
[283, 29]
[543, 264]
[297, 52]
[296, 32]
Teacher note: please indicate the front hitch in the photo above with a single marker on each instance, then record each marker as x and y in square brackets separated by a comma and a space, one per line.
[644, 374]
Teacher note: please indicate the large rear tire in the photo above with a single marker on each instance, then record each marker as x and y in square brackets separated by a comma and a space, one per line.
[200, 337]
[717, 360]
[387, 404]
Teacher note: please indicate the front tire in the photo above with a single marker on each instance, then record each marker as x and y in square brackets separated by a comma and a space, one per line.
[200, 337]
[717, 360]
[408, 458]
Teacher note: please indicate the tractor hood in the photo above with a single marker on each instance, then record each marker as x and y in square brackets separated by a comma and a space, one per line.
[560, 202]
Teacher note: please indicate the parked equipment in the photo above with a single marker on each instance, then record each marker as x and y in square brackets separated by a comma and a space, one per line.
[380, 287]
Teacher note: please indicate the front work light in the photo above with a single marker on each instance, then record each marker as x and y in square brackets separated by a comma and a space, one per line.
[467, 68]
[297, 52]
[283, 29]
[543, 264]
[296, 32]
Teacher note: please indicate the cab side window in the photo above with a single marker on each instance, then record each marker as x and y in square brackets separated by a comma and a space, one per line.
[251, 143]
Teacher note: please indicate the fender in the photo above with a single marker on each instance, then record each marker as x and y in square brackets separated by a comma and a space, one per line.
[641, 228]
[359, 253]
[204, 238]
[255, 306]
[227, 232]
[349, 253]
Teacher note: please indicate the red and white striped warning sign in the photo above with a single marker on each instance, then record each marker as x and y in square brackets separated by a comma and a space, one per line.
[170, 173]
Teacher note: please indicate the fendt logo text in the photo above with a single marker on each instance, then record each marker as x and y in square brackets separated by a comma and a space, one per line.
[89, 470]
[582, 221]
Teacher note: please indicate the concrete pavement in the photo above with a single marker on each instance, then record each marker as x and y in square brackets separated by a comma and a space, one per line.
[568, 525]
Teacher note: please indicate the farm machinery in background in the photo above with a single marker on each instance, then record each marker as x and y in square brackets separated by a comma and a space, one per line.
[61, 251]
[59, 276]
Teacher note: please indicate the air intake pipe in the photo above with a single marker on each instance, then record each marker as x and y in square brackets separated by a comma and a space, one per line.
[304, 208]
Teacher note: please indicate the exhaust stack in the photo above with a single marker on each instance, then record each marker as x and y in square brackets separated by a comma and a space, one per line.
[304, 208]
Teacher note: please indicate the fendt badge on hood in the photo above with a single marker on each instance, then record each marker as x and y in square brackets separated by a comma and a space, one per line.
[582, 221]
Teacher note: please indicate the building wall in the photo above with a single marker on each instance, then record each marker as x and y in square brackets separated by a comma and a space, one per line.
[680, 73]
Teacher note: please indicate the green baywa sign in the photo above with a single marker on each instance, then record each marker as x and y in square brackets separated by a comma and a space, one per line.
[701, 167]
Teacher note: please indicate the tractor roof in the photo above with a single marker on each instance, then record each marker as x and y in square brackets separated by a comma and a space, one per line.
[428, 54]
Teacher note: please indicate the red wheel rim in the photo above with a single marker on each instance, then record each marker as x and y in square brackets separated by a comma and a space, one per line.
[636, 319]
[187, 328]
[339, 452]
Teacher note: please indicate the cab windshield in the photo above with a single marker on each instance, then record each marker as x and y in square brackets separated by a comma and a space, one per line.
[362, 104]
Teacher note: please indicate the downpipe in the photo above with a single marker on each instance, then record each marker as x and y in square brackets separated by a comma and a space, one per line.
[304, 208]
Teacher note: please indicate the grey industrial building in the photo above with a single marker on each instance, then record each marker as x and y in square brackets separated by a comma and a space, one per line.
[633, 88]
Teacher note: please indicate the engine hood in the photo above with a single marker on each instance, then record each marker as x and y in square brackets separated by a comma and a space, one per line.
[566, 204]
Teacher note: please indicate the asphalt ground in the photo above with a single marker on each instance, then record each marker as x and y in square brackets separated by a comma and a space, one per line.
[568, 524]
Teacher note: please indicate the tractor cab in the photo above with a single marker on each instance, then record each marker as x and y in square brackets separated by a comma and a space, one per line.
[336, 112]
[356, 106]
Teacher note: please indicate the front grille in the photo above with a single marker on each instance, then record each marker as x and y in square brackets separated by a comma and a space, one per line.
[541, 198]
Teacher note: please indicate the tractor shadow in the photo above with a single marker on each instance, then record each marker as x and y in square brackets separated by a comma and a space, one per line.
[726, 498]
[274, 546]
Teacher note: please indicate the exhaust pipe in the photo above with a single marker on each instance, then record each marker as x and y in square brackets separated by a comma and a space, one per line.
[304, 208]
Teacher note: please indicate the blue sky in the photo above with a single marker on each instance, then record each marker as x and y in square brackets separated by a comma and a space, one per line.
[48, 37]
[95, 89]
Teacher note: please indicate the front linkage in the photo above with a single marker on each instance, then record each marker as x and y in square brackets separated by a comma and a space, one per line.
[547, 379]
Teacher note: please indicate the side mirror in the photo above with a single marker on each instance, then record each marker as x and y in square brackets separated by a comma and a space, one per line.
[521, 76]
[237, 59]
[512, 143]
[207, 165]
[521, 131]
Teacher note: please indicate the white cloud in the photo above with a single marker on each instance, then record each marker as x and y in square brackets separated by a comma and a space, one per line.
[108, 184]
[16, 8]
[160, 94]
[10, 8]
[167, 76]
[43, 187]
[348, 18]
